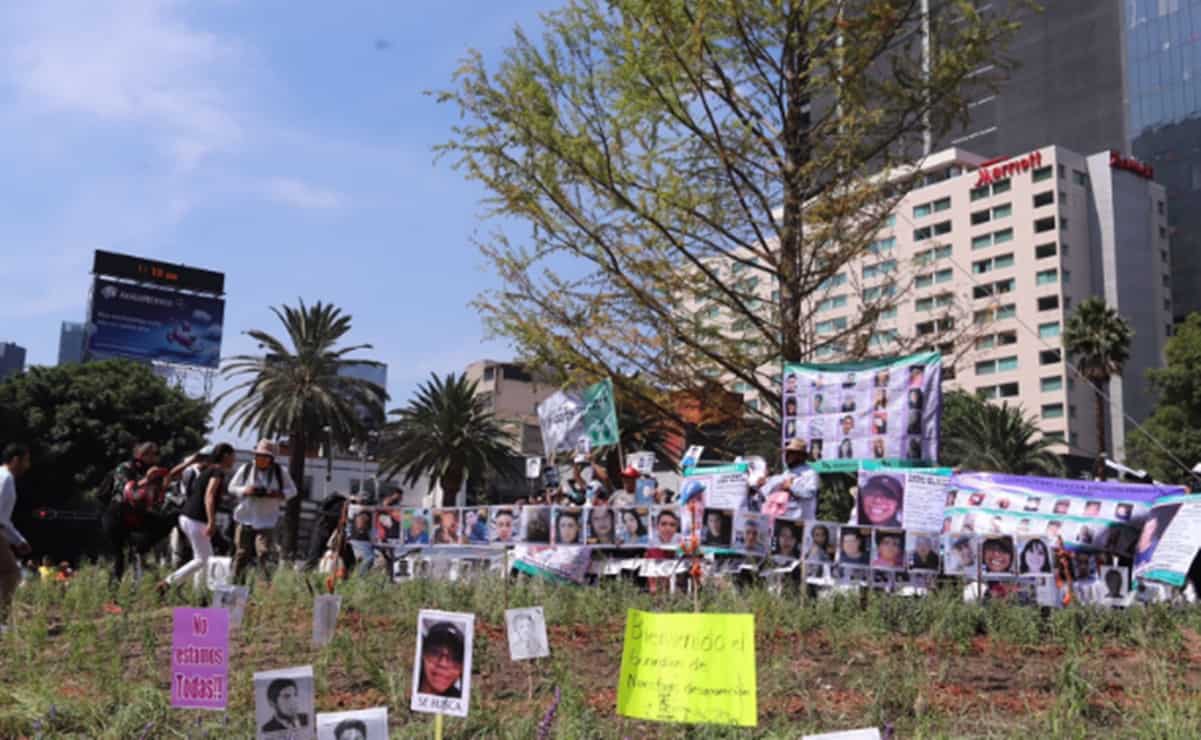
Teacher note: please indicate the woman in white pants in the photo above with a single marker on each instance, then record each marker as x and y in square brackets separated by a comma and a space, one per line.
[198, 517]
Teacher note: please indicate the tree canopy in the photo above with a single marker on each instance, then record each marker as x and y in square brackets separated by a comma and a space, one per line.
[1097, 338]
[695, 174]
[978, 435]
[1170, 440]
[80, 421]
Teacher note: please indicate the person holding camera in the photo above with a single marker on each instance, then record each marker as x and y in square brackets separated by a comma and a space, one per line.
[261, 488]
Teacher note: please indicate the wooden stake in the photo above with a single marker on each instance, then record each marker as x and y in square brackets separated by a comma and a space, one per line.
[437, 727]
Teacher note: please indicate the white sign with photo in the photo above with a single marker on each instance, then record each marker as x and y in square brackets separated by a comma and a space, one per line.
[442, 666]
[233, 598]
[283, 704]
[325, 618]
[360, 724]
[533, 467]
[219, 571]
[527, 633]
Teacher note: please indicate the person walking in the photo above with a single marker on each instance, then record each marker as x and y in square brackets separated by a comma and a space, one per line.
[177, 495]
[132, 517]
[16, 463]
[198, 516]
[261, 487]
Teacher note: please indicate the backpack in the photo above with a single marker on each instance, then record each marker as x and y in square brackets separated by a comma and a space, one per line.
[244, 472]
[144, 497]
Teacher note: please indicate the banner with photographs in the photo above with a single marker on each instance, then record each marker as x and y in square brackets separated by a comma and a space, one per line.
[905, 498]
[442, 666]
[570, 415]
[877, 410]
[1091, 516]
[1169, 540]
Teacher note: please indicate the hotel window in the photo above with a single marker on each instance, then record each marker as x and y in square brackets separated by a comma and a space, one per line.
[942, 204]
[831, 325]
[921, 211]
[924, 281]
[1042, 173]
[1007, 311]
[1159, 206]
[943, 276]
[1006, 338]
[1002, 261]
[882, 246]
[1044, 224]
[1048, 385]
[988, 367]
[984, 240]
[1046, 277]
[1004, 390]
[1044, 199]
[1053, 436]
[987, 342]
[922, 234]
[1001, 187]
[1052, 410]
[891, 220]
[1049, 330]
[889, 313]
[1007, 363]
[1049, 357]
[742, 387]
[1002, 211]
[942, 227]
[1080, 178]
[1048, 303]
[1002, 236]
[1043, 251]
[981, 217]
[980, 193]
[1065, 277]
[831, 282]
[922, 305]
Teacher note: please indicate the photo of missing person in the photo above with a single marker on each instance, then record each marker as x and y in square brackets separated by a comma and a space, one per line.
[1034, 557]
[1062, 506]
[815, 448]
[879, 423]
[853, 545]
[880, 379]
[975, 499]
[914, 426]
[602, 526]
[751, 533]
[358, 523]
[388, 524]
[718, 528]
[848, 403]
[848, 380]
[790, 383]
[786, 539]
[632, 527]
[1092, 508]
[535, 524]
[880, 400]
[846, 424]
[1032, 503]
[913, 450]
[790, 407]
[820, 543]
[790, 429]
[360, 724]
[997, 554]
[442, 667]
[878, 448]
[475, 526]
[845, 451]
[818, 402]
[1122, 512]
[569, 526]
[446, 527]
[502, 526]
[1157, 523]
[952, 495]
[916, 398]
[922, 551]
[666, 525]
[1114, 586]
[917, 376]
[881, 499]
[960, 555]
[416, 525]
[527, 633]
[283, 703]
[888, 549]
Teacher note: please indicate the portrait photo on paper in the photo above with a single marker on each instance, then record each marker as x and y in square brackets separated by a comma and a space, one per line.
[442, 665]
[527, 633]
[283, 704]
[360, 724]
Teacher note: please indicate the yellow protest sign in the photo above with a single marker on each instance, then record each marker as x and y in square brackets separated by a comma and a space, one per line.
[695, 668]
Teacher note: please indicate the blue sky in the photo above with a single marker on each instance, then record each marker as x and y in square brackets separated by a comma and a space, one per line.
[286, 144]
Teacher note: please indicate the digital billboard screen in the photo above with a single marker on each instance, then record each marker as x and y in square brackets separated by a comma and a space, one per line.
[152, 324]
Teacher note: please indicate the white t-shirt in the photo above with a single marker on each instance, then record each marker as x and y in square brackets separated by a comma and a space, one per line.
[8, 499]
[260, 512]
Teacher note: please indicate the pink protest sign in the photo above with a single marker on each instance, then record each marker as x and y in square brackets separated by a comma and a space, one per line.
[199, 658]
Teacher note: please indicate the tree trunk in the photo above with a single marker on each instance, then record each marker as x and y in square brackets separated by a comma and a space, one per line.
[450, 484]
[797, 151]
[1100, 417]
[297, 448]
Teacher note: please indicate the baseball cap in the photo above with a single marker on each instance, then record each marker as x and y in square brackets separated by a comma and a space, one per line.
[630, 472]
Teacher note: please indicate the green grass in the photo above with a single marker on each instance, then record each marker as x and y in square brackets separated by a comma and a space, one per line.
[933, 667]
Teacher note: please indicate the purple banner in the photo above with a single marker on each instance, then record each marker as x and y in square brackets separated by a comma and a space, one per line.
[199, 659]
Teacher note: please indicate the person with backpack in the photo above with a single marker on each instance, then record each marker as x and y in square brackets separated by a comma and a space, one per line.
[187, 473]
[261, 489]
[198, 514]
[136, 496]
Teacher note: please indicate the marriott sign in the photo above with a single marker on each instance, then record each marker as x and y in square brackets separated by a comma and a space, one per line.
[987, 174]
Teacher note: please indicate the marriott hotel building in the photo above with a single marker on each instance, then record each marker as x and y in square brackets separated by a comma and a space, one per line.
[1009, 247]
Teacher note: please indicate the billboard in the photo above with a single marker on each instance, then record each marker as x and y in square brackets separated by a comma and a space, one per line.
[137, 322]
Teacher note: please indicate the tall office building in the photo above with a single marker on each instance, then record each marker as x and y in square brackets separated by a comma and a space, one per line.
[995, 253]
[70, 343]
[12, 359]
[1095, 75]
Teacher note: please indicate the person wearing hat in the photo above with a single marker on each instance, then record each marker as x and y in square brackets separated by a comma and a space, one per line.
[261, 488]
[793, 495]
[627, 494]
[442, 661]
[880, 502]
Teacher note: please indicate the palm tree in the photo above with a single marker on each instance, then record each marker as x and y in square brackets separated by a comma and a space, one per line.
[978, 435]
[298, 390]
[1098, 339]
[447, 433]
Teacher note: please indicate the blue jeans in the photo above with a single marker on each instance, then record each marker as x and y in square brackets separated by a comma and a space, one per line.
[364, 553]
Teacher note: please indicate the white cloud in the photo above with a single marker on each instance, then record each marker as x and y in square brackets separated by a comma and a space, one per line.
[131, 61]
[290, 192]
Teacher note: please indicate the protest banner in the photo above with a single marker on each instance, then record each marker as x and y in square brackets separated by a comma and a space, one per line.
[1090, 516]
[919, 505]
[284, 701]
[199, 658]
[725, 485]
[1169, 540]
[690, 668]
[358, 724]
[876, 410]
[568, 415]
[325, 618]
[555, 563]
[442, 665]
